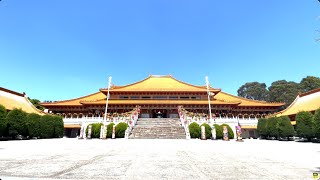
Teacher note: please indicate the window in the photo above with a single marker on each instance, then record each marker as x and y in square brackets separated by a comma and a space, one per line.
[124, 97]
[146, 97]
[184, 97]
[135, 97]
[173, 97]
[195, 97]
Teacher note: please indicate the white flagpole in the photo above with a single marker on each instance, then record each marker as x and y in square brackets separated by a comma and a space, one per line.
[106, 110]
[208, 92]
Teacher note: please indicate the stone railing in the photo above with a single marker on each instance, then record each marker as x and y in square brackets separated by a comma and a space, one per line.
[130, 118]
[186, 120]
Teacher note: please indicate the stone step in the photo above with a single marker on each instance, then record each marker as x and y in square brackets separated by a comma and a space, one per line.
[158, 128]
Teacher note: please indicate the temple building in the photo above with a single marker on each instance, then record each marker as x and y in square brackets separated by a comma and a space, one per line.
[160, 96]
[309, 101]
[11, 100]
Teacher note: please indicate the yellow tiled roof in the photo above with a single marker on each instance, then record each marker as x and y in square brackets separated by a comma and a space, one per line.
[76, 102]
[309, 101]
[152, 101]
[11, 100]
[248, 127]
[72, 126]
[243, 101]
[159, 83]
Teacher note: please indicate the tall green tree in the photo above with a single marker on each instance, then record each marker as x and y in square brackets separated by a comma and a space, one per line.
[283, 91]
[254, 90]
[316, 124]
[36, 103]
[285, 128]
[34, 125]
[3, 121]
[17, 123]
[262, 127]
[304, 126]
[272, 127]
[309, 83]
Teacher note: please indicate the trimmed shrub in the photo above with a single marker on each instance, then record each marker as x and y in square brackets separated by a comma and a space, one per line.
[34, 125]
[230, 132]
[109, 130]
[17, 123]
[316, 124]
[262, 127]
[304, 121]
[219, 133]
[121, 129]
[272, 127]
[194, 130]
[58, 127]
[96, 127]
[47, 126]
[3, 121]
[208, 130]
[285, 128]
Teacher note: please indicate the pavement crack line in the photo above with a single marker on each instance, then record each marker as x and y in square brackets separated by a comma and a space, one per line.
[192, 164]
[78, 165]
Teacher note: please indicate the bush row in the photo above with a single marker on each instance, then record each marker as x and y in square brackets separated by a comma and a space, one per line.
[307, 126]
[18, 122]
[120, 130]
[195, 130]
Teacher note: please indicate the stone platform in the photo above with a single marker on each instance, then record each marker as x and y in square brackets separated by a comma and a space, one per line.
[157, 159]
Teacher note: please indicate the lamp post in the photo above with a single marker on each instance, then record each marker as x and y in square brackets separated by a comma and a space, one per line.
[209, 93]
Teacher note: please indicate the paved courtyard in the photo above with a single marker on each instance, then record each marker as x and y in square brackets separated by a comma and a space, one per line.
[157, 159]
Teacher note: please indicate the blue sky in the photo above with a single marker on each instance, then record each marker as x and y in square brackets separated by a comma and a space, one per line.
[55, 50]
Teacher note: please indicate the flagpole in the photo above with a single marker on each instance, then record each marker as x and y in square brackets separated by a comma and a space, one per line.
[208, 92]
[108, 94]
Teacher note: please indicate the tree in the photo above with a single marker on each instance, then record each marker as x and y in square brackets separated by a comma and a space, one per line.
[3, 121]
[47, 126]
[58, 127]
[17, 123]
[304, 121]
[285, 127]
[109, 130]
[262, 127]
[272, 127]
[36, 103]
[208, 130]
[34, 124]
[254, 90]
[283, 91]
[316, 124]
[309, 83]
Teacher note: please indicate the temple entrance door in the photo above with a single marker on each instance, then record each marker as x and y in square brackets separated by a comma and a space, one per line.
[159, 113]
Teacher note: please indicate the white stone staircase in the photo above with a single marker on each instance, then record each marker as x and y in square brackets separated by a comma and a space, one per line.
[158, 128]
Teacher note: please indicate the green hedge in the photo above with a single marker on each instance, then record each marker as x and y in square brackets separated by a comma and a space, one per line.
[262, 127]
[109, 130]
[285, 128]
[208, 130]
[34, 125]
[58, 127]
[194, 130]
[316, 124]
[272, 127]
[121, 129]
[17, 123]
[230, 132]
[305, 125]
[3, 121]
[219, 133]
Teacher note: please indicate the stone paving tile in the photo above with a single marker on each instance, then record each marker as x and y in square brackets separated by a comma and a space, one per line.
[157, 159]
